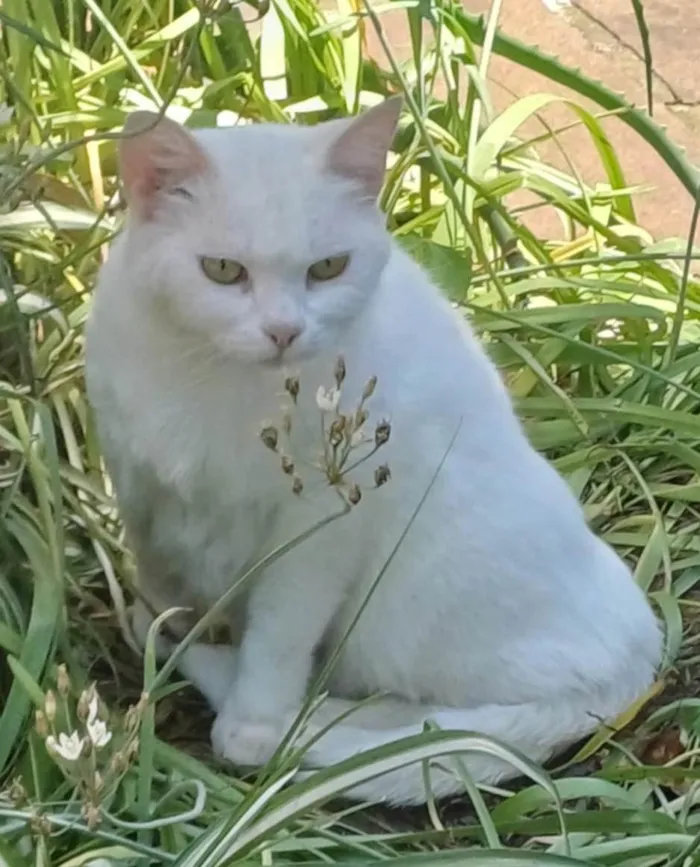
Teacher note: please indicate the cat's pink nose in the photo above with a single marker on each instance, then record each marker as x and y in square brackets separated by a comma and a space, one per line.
[283, 335]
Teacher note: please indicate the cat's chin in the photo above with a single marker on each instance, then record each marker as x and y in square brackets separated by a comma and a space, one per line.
[271, 362]
[276, 363]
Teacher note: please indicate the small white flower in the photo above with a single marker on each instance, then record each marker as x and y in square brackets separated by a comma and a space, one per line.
[97, 729]
[98, 733]
[327, 400]
[68, 747]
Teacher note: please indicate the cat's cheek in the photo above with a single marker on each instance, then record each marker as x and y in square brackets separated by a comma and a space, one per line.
[333, 309]
[225, 322]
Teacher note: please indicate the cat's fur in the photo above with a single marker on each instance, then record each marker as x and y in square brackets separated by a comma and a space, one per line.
[501, 612]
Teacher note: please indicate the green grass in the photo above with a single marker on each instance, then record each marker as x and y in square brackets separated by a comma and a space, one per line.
[598, 336]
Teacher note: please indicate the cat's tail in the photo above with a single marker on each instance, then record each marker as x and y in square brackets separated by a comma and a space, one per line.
[535, 729]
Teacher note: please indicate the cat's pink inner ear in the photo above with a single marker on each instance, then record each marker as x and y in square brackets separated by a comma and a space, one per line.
[155, 154]
[360, 151]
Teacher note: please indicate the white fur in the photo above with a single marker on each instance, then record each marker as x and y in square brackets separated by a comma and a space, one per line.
[500, 613]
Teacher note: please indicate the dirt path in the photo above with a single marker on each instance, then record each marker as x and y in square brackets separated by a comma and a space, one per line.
[601, 38]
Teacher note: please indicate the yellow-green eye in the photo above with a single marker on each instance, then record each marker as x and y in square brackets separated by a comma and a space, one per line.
[224, 271]
[328, 269]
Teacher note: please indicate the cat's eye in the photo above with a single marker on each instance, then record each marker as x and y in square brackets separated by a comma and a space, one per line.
[224, 271]
[328, 269]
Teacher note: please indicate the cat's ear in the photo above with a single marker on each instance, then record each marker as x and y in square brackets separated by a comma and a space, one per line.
[360, 151]
[156, 154]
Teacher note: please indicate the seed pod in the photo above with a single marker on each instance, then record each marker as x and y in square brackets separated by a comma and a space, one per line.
[382, 433]
[335, 434]
[17, 793]
[40, 825]
[291, 386]
[354, 495]
[382, 475]
[270, 437]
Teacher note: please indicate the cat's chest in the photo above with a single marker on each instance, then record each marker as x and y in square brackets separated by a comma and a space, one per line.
[200, 496]
[202, 534]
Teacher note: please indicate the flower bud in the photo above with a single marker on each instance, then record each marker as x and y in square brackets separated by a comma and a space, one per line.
[83, 708]
[40, 825]
[361, 417]
[50, 706]
[119, 763]
[41, 724]
[340, 370]
[368, 390]
[63, 681]
[17, 793]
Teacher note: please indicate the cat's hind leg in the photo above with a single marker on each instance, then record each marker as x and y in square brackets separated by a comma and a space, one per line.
[536, 730]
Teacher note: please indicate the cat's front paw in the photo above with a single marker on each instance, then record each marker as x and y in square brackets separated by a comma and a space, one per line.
[249, 743]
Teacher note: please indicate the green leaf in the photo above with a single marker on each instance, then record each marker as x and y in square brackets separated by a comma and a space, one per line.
[449, 268]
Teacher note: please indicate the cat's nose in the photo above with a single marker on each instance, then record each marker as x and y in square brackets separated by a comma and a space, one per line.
[283, 335]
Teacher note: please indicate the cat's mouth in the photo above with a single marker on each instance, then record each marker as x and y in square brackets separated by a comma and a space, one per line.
[273, 363]
[278, 360]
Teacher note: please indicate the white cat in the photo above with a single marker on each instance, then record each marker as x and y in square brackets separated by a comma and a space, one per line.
[259, 247]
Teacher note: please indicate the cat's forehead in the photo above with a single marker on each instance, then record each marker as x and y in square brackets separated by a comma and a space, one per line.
[272, 190]
[264, 153]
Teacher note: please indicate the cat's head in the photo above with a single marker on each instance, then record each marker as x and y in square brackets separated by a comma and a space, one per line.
[263, 240]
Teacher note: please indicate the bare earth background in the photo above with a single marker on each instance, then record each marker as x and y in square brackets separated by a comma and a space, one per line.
[601, 38]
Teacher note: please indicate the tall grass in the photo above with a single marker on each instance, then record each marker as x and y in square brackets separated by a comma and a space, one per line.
[596, 333]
